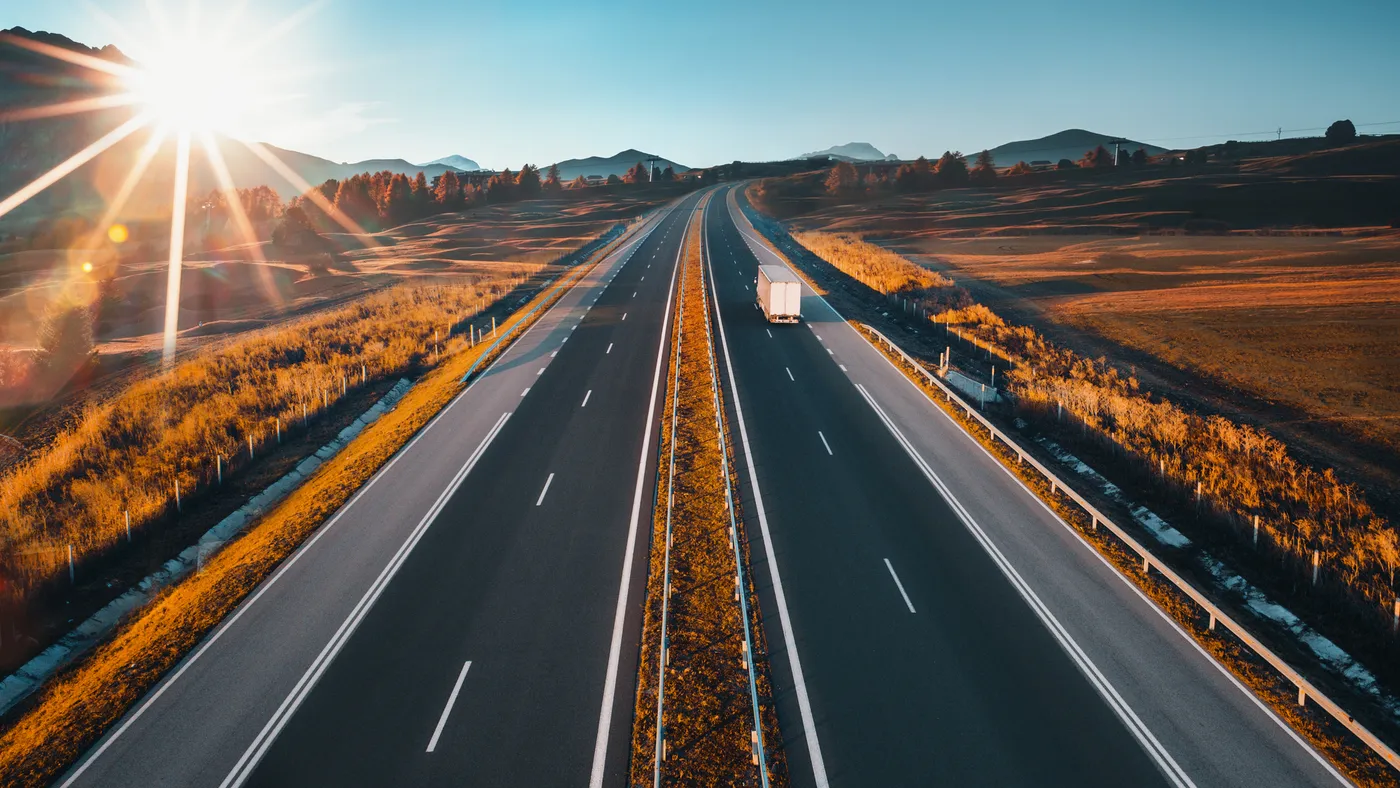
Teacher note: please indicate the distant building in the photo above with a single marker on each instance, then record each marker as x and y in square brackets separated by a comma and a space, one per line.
[594, 180]
[1042, 164]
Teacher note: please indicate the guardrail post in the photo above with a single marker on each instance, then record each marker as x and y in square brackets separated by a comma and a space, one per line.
[1395, 622]
[1315, 566]
[127, 514]
[177, 495]
[219, 468]
[1146, 565]
[1256, 530]
[70, 565]
[1212, 621]
[493, 326]
[1302, 696]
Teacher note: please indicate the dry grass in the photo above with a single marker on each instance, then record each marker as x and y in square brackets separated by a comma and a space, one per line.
[875, 267]
[708, 711]
[76, 708]
[129, 453]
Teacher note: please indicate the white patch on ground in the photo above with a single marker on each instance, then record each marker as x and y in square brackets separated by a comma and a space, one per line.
[1330, 654]
[36, 671]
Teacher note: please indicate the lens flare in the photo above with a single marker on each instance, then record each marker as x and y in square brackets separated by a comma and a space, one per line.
[118, 234]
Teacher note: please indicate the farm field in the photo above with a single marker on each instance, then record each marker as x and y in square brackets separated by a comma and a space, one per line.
[1292, 329]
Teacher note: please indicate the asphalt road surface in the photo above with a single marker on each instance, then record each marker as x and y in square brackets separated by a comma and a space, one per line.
[937, 625]
[463, 621]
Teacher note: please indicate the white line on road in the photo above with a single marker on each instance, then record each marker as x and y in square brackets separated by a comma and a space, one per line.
[770, 332]
[804, 703]
[553, 353]
[547, 482]
[829, 353]
[634, 293]
[843, 367]
[790, 377]
[585, 398]
[526, 391]
[624, 315]
[824, 443]
[819, 336]
[541, 372]
[250, 757]
[899, 585]
[609, 350]
[451, 699]
[1106, 690]
[600, 744]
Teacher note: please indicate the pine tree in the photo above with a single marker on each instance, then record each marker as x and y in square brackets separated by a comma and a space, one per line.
[527, 183]
[65, 338]
[984, 172]
[551, 179]
[843, 179]
[951, 169]
[637, 174]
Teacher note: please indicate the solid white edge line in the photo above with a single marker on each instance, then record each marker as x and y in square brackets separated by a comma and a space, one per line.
[600, 744]
[585, 398]
[547, 482]
[824, 443]
[131, 717]
[899, 585]
[263, 741]
[446, 710]
[804, 704]
[1165, 762]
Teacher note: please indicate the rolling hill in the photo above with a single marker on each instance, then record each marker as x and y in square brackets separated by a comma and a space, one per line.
[611, 165]
[1068, 144]
[851, 151]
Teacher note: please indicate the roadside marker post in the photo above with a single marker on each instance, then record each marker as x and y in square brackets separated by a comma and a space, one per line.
[127, 514]
[218, 468]
[71, 579]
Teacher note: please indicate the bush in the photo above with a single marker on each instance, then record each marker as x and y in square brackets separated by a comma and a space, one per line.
[1341, 132]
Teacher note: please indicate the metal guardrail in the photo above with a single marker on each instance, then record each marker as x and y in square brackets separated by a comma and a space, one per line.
[1306, 689]
[741, 587]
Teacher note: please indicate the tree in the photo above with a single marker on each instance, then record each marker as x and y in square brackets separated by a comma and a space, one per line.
[551, 180]
[578, 183]
[984, 172]
[843, 179]
[613, 180]
[637, 174]
[915, 176]
[951, 169]
[296, 232]
[353, 199]
[668, 174]
[65, 338]
[1019, 168]
[1341, 132]
[527, 183]
[1139, 158]
[501, 186]
[1065, 164]
[1124, 157]
[448, 193]
[1097, 158]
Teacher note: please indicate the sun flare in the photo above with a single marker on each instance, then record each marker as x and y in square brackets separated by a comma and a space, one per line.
[194, 86]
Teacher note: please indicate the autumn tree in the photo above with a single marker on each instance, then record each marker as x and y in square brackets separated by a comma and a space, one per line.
[1097, 158]
[984, 171]
[353, 199]
[65, 338]
[448, 191]
[1139, 158]
[843, 180]
[1019, 168]
[501, 186]
[668, 174]
[951, 169]
[551, 180]
[578, 182]
[613, 180]
[914, 176]
[637, 174]
[295, 231]
[527, 183]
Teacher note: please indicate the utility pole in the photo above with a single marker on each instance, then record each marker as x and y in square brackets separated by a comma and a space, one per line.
[651, 168]
[1280, 133]
[1115, 144]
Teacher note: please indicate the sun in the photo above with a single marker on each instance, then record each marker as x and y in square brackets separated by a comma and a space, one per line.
[194, 86]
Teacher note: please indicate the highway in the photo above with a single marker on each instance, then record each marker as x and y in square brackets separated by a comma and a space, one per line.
[473, 615]
[930, 621]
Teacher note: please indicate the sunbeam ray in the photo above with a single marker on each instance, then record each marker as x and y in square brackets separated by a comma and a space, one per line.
[133, 178]
[69, 107]
[68, 56]
[72, 163]
[177, 249]
[240, 216]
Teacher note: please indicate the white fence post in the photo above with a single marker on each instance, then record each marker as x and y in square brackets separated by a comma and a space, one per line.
[177, 495]
[70, 565]
[219, 468]
[127, 514]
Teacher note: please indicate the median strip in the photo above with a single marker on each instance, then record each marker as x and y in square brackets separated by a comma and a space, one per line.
[704, 713]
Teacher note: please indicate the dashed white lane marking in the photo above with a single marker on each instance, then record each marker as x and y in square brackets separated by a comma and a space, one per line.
[541, 372]
[829, 352]
[526, 391]
[451, 699]
[553, 353]
[790, 377]
[819, 336]
[609, 350]
[634, 293]
[824, 443]
[770, 332]
[624, 315]
[547, 482]
[842, 366]
[899, 585]
[585, 398]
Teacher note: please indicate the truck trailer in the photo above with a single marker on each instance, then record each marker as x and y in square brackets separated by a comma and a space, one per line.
[779, 294]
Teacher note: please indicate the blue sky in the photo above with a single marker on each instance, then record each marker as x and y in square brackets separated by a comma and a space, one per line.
[509, 81]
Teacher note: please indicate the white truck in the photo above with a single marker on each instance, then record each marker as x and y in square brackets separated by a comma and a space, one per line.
[779, 294]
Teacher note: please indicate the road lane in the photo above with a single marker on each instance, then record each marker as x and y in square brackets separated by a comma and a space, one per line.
[1212, 728]
[971, 690]
[198, 724]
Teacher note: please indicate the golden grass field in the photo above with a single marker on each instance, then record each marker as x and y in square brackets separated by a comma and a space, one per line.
[1303, 321]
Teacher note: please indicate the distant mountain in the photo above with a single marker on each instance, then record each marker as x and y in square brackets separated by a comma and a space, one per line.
[1069, 144]
[456, 162]
[613, 165]
[851, 151]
